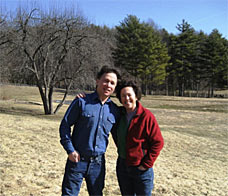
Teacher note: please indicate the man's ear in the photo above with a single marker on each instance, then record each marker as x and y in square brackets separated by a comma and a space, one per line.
[97, 81]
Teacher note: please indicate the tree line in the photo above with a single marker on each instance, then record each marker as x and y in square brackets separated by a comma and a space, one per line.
[177, 64]
[64, 50]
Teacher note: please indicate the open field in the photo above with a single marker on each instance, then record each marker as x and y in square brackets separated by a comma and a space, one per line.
[194, 160]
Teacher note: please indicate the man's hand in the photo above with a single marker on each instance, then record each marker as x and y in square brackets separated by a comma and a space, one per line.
[74, 156]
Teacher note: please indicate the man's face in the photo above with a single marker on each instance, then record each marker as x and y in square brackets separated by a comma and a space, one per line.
[106, 84]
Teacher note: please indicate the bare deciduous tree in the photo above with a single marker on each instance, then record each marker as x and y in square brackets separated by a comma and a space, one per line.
[46, 44]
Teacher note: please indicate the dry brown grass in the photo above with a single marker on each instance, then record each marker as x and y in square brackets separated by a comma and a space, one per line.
[194, 160]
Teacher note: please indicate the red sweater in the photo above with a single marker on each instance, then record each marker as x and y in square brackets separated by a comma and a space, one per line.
[144, 139]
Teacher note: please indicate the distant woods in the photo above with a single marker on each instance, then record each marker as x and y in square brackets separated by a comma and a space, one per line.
[66, 51]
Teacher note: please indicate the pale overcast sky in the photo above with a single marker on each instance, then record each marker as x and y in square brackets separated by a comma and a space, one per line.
[204, 15]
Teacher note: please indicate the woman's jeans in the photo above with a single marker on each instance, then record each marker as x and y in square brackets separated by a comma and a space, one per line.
[133, 181]
[92, 169]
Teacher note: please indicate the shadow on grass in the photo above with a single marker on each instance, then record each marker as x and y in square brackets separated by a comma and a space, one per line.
[26, 112]
[19, 111]
[211, 108]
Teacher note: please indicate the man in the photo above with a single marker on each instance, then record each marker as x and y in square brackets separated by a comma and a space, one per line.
[93, 117]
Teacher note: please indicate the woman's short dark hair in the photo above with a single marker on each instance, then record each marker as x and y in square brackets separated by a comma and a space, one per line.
[107, 69]
[128, 83]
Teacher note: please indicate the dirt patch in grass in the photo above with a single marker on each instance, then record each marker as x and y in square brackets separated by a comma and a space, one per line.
[194, 160]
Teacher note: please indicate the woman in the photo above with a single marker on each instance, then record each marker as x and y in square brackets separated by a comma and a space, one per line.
[139, 142]
[138, 139]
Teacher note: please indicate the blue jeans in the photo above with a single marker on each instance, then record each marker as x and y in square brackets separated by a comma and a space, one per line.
[133, 181]
[92, 170]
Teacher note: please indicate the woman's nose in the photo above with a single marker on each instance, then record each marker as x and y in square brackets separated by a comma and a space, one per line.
[109, 84]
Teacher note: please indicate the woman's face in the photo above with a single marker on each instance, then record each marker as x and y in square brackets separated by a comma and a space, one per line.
[128, 98]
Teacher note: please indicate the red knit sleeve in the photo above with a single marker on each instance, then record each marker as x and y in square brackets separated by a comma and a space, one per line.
[155, 141]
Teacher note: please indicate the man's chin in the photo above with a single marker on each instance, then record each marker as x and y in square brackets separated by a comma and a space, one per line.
[107, 94]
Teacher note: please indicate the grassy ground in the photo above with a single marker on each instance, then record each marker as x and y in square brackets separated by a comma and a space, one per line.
[194, 160]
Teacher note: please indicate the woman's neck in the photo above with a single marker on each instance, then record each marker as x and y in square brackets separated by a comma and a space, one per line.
[131, 110]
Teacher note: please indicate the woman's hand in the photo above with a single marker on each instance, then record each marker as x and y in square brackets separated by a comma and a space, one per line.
[141, 168]
[80, 95]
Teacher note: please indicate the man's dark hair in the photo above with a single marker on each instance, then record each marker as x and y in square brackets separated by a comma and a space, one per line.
[107, 69]
[128, 83]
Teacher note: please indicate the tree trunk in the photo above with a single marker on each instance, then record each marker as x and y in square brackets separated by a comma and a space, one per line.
[44, 99]
[212, 89]
[166, 87]
[197, 89]
[61, 102]
[209, 91]
[50, 93]
[183, 89]
[64, 98]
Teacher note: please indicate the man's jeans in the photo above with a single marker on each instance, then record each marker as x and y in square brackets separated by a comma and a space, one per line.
[93, 170]
[133, 181]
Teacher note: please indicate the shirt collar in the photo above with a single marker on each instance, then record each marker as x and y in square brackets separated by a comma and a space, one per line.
[96, 97]
[139, 108]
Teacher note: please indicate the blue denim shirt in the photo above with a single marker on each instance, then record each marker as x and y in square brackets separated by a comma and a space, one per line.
[92, 123]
